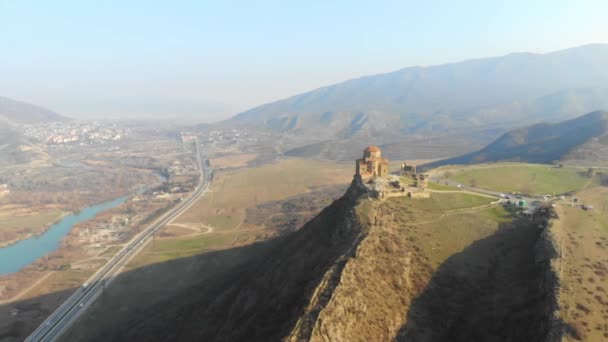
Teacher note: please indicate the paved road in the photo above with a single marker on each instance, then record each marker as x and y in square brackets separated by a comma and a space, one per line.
[78, 302]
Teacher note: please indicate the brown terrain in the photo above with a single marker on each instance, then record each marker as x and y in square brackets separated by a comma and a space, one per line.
[583, 266]
[362, 270]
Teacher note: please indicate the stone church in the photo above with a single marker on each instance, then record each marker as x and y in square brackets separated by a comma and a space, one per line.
[372, 163]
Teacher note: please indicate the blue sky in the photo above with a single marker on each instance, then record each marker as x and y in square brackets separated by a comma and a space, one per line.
[206, 60]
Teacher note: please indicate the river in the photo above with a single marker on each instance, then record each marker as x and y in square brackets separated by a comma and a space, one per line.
[18, 255]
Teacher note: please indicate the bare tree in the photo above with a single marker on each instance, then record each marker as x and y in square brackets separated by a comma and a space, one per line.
[446, 176]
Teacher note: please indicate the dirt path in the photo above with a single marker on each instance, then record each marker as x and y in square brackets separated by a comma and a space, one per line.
[456, 212]
[197, 227]
[462, 192]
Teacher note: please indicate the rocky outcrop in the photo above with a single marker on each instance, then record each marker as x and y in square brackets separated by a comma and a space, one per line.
[548, 257]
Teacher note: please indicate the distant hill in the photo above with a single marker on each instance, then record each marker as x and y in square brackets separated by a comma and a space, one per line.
[13, 146]
[477, 94]
[22, 112]
[585, 137]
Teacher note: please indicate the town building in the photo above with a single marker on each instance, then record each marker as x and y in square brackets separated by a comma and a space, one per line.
[372, 163]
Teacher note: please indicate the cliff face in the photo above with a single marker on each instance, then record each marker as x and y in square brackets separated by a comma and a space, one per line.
[547, 256]
[368, 300]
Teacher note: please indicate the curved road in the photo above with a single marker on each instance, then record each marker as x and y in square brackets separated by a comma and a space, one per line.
[77, 303]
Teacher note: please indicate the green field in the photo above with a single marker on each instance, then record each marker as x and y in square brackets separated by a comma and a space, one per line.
[441, 187]
[451, 201]
[525, 178]
[430, 224]
[174, 248]
[222, 221]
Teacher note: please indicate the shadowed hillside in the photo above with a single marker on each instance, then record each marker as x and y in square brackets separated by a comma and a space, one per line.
[260, 300]
[545, 143]
[12, 144]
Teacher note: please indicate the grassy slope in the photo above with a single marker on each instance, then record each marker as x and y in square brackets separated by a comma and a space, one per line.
[174, 248]
[443, 187]
[411, 242]
[527, 178]
[583, 236]
[440, 202]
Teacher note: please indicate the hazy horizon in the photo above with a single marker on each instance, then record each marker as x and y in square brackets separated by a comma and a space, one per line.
[204, 62]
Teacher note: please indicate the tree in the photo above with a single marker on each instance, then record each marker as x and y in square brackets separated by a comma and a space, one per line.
[446, 175]
[590, 172]
[473, 182]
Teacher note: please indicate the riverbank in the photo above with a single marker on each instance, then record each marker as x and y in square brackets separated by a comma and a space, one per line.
[38, 232]
[84, 241]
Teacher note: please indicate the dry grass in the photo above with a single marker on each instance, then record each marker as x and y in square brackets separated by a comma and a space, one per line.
[232, 192]
[232, 161]
[162, 250]
[583, 236]
[395, 261]
[225, 207]
[17, 218]
[18, 222]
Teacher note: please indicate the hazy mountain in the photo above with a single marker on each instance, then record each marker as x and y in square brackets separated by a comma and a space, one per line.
[22, 112]
[484, 93]
[13, 146]
[585, 137]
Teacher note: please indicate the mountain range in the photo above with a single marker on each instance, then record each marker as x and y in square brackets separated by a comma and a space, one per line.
[474, 96]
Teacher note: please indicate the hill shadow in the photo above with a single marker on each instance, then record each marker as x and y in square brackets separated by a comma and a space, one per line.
[497, 289]
[254, 292]
[130, 295]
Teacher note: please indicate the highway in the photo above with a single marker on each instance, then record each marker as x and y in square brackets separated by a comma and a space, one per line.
[68, 312]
